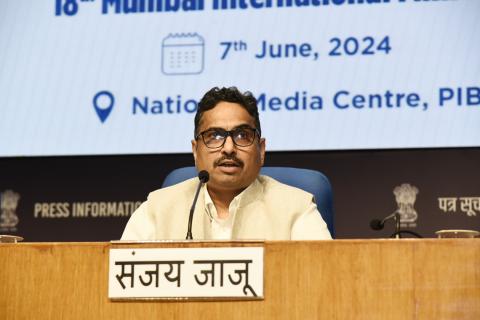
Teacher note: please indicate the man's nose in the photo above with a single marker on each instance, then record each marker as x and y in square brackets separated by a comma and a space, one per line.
[229, 146]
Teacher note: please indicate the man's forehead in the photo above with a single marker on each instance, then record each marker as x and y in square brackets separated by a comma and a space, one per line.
[240, 126]
[226, 115]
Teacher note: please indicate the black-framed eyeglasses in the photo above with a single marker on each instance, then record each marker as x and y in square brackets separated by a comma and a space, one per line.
[216, 137]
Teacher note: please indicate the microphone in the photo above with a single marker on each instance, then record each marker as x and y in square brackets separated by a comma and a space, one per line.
[203, 176]
[377, 224]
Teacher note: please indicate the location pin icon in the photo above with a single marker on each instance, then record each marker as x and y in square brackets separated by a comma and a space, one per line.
[103, 103]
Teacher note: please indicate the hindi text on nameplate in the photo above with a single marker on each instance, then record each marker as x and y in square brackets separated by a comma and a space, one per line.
[171, 273]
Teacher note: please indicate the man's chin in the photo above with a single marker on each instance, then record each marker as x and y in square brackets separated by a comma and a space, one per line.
[226, 181]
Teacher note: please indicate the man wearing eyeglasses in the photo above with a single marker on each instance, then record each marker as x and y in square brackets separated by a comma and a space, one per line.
[236, 203]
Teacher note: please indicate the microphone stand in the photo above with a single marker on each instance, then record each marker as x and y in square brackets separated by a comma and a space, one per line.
[397, 225]
[379, 224]
[190, 216]
[398, 233]
[203, 176]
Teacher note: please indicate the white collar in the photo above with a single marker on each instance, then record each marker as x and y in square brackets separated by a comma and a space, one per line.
[243, 198]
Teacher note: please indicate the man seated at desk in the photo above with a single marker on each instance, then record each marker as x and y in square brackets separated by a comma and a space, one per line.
[237, 202]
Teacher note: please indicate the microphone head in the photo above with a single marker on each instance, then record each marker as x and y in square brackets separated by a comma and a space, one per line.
[376, 224]
[203, 176]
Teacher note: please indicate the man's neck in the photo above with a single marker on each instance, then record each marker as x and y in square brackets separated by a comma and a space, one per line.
[222, 199]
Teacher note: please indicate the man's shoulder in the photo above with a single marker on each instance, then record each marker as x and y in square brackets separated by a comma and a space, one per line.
[178, 189]
[271, 185]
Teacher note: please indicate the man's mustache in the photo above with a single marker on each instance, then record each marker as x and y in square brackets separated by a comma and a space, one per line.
[231, 158]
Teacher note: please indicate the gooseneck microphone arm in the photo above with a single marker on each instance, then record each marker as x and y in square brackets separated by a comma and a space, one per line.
[203, 176]
[377, 224]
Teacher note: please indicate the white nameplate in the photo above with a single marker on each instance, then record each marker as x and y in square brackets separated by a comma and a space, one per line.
[186, 273]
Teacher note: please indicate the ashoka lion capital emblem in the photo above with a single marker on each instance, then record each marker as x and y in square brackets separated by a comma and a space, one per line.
[8, 205]
[405, 195]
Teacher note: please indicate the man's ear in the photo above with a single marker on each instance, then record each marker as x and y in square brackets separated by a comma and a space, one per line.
[194, 151]
[262, 150]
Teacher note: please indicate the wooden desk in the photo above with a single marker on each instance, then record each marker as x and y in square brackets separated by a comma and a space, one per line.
[340, 279]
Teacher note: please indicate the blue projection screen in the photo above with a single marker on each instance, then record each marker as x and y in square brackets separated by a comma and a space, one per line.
[124, 77]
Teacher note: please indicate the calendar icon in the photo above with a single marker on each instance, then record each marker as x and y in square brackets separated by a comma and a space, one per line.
[183, 54]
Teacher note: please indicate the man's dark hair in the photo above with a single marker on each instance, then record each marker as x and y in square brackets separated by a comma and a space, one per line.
[217, 95]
